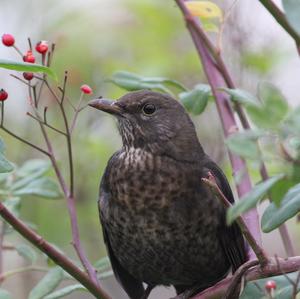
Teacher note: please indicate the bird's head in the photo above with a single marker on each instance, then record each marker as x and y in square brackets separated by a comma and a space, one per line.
[154, 122]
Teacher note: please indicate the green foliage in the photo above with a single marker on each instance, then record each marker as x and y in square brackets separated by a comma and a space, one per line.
[5, 294]
[274, 216]
[5, 165]
[244, 143]
[27, 252]
[65, 291]
[131, 82]
[242, 96]
[195, 100]
[292, 11]
[48, 283]
[27, 67]
[284, 288]
[273, 107]
[250, 200]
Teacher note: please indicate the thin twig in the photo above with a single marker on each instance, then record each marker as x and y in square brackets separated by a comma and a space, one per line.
[260, 254]
[76, 114]
[46, 124]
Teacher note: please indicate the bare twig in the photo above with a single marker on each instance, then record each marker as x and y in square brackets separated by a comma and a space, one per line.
[260, 254]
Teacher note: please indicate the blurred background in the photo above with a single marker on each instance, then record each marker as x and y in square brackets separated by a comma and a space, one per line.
[94, 39]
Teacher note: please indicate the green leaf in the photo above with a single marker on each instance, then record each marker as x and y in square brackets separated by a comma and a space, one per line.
[2, 146]
[27, 252]
[131, 82]
[5, 294]
[48, 283]
[102, 264]
[249, 200]
[292, 11]
[30, 171]
[242, 96]
[66, 291]
[27, 67]
[244, 143]
[5, 165]
[274, 216]
[13, 204]
[195, 101]
[284, 289]
[43, 187]
[273, 107]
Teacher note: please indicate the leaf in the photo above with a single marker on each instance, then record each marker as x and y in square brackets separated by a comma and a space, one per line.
[65, 291]
[242, 96]
[2, 146]
[27, 67]
[195, 101]
[204, 9]
[273, 107]
[48, 283]
[102, 264]
[244, 143]
[13, 204]
[5, 294]
[44, 187]
[131, 82]
[30, 171]
[274, 216]
[249, 200]
[27, 252]
[255, 289]
[292, 11]
[5, 165]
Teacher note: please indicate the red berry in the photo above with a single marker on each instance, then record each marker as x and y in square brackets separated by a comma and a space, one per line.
[28, 76]
[8, 40]
[86, 89]
[29, 57]
[270, 285]
[3, 95]
[42, 47]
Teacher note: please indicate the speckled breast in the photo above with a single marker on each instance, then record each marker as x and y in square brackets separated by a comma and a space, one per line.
[161, 230]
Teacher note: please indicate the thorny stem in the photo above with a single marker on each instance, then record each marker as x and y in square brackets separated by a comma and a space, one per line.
[191, 22]
[261, 256]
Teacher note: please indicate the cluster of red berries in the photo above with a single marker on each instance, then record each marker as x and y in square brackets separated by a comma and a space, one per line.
[41, 47]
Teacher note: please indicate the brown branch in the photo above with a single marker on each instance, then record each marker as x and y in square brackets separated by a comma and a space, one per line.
[260, 254]
[197, 32]
[59, 258]
[289, 265]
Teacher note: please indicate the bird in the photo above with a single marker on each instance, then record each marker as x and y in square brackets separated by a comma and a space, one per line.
[162, 225]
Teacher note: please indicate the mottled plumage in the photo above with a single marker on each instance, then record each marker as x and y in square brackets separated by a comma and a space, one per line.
[162, 225]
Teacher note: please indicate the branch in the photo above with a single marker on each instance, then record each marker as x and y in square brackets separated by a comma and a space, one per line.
[271, 269]
[216, 80]
[59, 258]
[193, 25]
[263, 260]
[281, 19]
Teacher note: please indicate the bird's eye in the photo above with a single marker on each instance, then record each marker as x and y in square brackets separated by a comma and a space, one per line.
[149, 109]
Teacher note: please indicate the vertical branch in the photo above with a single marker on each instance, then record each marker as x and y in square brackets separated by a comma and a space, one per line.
[217, 61]
[229, 125]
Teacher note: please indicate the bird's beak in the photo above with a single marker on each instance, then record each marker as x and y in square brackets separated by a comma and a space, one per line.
[107, 106]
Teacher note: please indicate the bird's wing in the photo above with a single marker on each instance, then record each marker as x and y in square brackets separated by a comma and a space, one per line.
[231, 236]
[133, 287]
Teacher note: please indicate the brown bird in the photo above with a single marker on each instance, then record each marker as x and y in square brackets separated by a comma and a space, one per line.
[162, 225]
